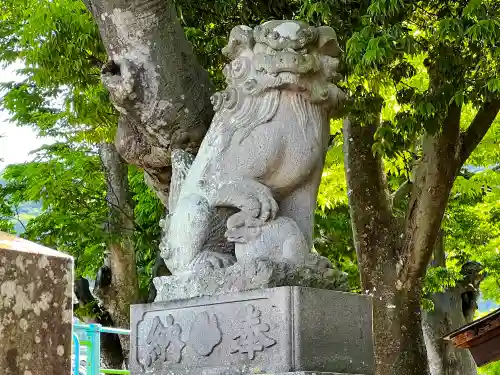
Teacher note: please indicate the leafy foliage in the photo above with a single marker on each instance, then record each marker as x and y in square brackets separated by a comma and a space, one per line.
[406, 62]
[62, 97]
[69, 182]
[59, 44]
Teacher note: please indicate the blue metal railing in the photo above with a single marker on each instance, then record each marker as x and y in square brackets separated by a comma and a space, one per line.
[76, 350]
[92, 341]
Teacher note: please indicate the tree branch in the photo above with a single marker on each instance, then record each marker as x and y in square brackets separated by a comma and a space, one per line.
[18, 218]
[478, 128]
[434, 177]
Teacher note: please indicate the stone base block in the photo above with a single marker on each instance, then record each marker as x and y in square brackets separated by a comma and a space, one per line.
[269, 331]
[36, 301]
[240, 277]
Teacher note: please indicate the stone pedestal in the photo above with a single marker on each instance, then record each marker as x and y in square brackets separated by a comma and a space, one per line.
[286, 330]
[35, 309]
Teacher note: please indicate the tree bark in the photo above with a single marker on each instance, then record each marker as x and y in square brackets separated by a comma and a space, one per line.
[155, 82]
[453, 308]
[435, 175]
[124, 288]
[456, 306]
[393, 256]
[444, 358]
[399, 347]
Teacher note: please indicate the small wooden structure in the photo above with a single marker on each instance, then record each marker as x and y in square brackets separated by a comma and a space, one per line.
[481, 337]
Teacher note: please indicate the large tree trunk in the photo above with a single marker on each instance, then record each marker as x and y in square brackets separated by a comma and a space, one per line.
[393, 254]
[399, 345]
[124, 288]
[155, 82]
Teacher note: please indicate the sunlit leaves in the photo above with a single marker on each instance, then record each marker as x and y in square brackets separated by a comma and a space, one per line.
[486, 31]
[490, 369]
[438, 279]
[60, 47]
[494, 85]
[472, 8]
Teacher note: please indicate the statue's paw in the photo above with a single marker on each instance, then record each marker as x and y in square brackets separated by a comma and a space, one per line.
[212, 260]
[258, 202]
[249, 196]
[268, 205]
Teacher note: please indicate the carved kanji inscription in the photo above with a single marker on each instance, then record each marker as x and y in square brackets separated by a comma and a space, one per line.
[252, 335]
[164, 342]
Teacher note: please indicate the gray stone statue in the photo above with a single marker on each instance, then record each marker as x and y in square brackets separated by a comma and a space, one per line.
[250, 194]
[248, 295]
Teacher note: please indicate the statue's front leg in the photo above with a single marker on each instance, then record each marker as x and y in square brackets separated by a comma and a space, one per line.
[300, 206]
[248, 195]
[188, 229]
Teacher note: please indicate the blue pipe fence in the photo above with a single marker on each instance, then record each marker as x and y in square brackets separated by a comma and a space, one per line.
[91, 334]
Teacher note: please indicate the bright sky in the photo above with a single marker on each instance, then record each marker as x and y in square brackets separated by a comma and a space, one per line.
[16, 142]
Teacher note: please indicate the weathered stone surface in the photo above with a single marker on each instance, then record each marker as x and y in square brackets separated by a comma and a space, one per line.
[263, 155]
[274, 331]
[245, 276]
[238, 237]
[35, 309]
[310, 373]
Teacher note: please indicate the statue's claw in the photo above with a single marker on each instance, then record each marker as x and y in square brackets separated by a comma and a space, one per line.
[249, 196]
[268, 205]
[212, 260]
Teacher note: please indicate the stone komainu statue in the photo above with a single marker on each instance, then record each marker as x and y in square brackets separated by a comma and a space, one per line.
[250, 193]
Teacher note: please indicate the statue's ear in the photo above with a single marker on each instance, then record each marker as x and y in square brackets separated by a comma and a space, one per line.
[327, 42]
[240, 38]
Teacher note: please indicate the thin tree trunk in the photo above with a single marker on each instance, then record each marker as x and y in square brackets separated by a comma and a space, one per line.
[444, 358]
[452, 309]
[124, 288]
[111, 350]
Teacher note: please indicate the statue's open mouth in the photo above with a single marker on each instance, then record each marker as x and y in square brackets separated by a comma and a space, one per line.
[292, 86]
[286, 61]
